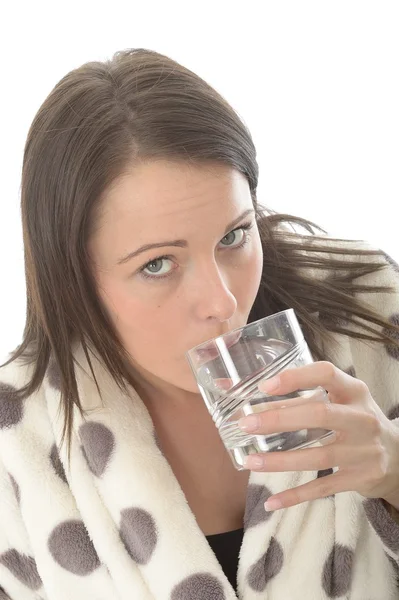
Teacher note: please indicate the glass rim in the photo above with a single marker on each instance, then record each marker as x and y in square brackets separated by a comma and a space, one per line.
[228, 333]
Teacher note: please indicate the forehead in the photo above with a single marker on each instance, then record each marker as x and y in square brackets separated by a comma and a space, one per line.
[164, 200]
[162, 189]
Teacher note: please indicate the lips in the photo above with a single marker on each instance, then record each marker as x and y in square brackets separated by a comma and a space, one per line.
[229, 340]
[210, 346]
[210, 351]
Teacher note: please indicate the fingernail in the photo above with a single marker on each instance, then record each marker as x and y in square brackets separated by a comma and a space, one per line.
[270, 385]
[273, 504]
[253, 462]
[250, 423]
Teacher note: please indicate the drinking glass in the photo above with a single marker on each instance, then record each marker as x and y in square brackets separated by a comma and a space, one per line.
[228, 370]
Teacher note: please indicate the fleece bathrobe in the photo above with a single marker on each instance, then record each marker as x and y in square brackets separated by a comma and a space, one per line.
[114, 524]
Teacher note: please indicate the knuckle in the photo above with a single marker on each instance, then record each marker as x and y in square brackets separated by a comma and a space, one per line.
[294, 497]
[276, 422]
[341, 436]
[329, 370]
[325, 488]
[374, 477]
[373, 424]
[329, 456]
[325, 458]
[379, 467]
[362, 386]
[284, 462]
[324, 413]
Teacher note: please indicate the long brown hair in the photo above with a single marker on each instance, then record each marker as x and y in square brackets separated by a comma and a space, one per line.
[99, 120]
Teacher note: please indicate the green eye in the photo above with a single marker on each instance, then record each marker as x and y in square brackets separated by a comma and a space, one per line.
[161, 267]
[157, 268]
[234, 237]
[157, 262]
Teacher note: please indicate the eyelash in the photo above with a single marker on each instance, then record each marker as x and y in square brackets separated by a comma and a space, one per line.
[246, 227]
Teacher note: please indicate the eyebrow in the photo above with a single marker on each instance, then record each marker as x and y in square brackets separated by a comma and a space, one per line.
[177, 243]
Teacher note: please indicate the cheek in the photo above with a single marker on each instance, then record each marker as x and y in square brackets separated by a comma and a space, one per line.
[148, 331]
[140, 323]
[251, 274]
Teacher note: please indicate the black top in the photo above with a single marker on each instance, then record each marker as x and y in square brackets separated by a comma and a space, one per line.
[226, 547]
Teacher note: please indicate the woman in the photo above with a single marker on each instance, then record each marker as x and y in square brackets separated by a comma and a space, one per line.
[143, 237]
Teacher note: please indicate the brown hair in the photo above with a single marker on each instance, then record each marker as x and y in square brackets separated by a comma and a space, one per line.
[99, 120]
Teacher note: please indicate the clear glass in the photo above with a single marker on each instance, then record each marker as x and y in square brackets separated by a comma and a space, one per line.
[228, 370]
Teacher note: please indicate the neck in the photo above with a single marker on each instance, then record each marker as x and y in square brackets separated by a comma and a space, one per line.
[154, 391]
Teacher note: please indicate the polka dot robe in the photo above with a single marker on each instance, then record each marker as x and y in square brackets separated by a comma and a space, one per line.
[114, 524]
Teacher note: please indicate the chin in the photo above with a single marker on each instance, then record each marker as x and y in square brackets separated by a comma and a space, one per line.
[186, 381]
[188, 384]
[194, 389]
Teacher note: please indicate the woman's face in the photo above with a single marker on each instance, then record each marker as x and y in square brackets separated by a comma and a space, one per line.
[200, 280]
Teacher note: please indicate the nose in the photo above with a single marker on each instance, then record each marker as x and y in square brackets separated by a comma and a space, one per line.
[213, 299]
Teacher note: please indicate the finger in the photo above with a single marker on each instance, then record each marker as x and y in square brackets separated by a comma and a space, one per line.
[312, 415]
[317, 395]
[331, 439]
[322, 373]
[307, 459]
[223, 383]
[318, 488]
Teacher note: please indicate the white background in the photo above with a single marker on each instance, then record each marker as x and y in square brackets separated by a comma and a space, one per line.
[316, 82]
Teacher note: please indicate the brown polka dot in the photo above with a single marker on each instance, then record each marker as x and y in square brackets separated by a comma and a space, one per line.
[71, 547]
[394, 413]
[351, 371]
[337, 572]
[54, 373]
[11, 407]
[16, 488]
[200, 586]
[393, 349]
[98, 444]
[255, 512]
[268, 566]
[138, 533]
[382, 522]
[22, 567]
[57, 464]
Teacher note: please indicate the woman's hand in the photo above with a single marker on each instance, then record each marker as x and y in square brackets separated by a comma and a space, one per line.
[365, 448]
